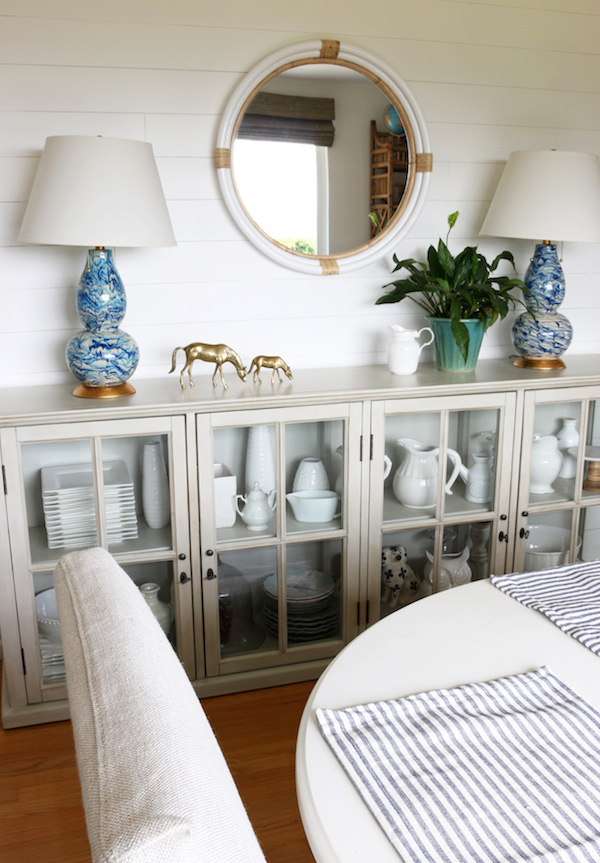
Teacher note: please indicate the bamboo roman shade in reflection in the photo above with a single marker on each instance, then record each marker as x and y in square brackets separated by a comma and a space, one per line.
[300, 119]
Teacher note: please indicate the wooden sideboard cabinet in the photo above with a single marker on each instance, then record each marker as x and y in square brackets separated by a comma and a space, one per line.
[432, 474]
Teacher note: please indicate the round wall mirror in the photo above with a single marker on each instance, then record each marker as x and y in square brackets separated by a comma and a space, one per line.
[323, 157]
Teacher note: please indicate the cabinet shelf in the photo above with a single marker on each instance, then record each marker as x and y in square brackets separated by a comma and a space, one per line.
[149, 542]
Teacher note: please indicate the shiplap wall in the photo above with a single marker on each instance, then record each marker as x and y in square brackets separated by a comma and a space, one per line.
[491, 76]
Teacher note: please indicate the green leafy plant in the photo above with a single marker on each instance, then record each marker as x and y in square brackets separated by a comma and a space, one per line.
[299, 244]
[457, 287]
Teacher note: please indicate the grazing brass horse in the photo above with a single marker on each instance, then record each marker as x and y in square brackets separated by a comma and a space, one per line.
[275, 363]
[218, 354]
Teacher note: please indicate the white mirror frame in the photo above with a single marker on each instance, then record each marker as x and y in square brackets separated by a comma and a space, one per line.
[340, 53]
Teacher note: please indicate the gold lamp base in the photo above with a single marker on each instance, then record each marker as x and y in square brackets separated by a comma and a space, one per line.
[84, 392]
[540, 363]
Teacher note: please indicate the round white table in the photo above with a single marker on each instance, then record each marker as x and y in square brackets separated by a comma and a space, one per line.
[471, 633]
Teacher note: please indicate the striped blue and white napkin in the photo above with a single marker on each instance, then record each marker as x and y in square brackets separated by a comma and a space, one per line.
[495, 772]
[568, 595]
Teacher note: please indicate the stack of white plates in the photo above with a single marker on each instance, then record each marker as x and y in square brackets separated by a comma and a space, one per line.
[313, 611]
[53, 663]
[68, 504]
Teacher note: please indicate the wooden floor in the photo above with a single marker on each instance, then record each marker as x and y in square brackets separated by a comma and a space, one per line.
[41, 818]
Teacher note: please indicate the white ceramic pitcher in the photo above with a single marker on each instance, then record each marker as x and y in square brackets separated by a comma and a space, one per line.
[415, 481]
[404, 349]
[546, 464]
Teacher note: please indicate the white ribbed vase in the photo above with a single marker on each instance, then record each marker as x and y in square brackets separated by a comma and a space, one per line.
[155, 486]
[260, 463]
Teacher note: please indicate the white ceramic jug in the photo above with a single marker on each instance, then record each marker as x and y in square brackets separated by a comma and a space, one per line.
[258, 509]
[478, 479]
[415, 481]
[546, 464]
[404, 349]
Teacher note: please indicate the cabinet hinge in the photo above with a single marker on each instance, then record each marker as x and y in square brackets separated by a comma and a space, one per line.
[371, 449]
[4, 480]
[23, 661]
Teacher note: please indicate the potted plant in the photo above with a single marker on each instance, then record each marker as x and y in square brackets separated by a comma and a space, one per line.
[461, 295]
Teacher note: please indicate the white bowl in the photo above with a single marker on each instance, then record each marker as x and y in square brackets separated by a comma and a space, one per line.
[547, 547]
[313, 506]
[47, 615]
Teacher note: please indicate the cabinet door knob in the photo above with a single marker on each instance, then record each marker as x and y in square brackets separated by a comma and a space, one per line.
[184, 577]
[210, 573]
[502, 537]
[524, 534]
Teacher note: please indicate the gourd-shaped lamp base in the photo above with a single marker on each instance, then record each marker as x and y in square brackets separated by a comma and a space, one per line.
[542, 334]
[102, 357]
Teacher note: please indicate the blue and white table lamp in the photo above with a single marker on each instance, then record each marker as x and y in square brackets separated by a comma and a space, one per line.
[98, 193]
[549, 196]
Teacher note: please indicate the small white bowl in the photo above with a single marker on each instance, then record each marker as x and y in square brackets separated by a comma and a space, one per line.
[47, 615]
[313, 506]
[547, 547]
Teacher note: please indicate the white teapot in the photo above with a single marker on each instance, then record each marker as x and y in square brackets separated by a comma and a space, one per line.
[404, 349]
[259, 508]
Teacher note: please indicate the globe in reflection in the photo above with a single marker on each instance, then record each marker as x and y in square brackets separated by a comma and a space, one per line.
[391, 118]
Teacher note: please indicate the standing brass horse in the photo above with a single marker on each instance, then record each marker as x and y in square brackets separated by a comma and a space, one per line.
[218, 354]
[275, 363]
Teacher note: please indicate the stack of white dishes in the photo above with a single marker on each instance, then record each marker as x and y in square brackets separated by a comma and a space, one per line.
[53, 663]
[313, 611]
[68, 504]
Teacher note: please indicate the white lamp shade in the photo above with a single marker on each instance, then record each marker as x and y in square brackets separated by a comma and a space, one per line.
[547, 195]
[95, 191]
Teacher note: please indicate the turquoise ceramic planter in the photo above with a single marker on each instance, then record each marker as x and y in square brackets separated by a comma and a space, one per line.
[447, 354]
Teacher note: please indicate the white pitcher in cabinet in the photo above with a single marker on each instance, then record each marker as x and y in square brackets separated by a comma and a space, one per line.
[415, 481]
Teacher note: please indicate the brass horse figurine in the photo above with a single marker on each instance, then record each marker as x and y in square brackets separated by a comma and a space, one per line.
[218, 354]
[275, 363]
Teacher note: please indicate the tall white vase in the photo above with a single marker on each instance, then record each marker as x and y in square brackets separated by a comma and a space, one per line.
[568, 437]
[155, 486]
[260, 463]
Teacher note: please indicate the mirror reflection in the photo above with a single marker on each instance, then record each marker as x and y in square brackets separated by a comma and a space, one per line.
[320, 159]
[323, 157]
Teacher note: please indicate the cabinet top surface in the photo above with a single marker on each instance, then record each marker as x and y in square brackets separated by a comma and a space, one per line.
[164, 396]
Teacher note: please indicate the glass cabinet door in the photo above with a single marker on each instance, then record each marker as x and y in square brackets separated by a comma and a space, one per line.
[559, 499]
[123, 489]
[279, 529]
[440, 479]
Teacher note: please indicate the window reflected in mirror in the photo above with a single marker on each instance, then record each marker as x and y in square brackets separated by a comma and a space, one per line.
[291, 206]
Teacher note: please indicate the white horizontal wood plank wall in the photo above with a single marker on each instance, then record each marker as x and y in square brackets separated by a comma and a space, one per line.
[489, 75]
